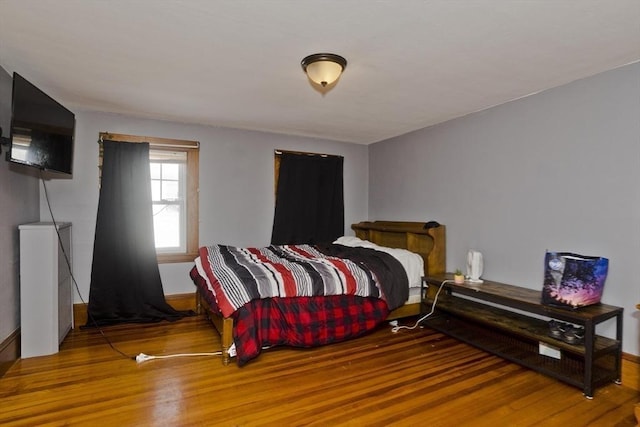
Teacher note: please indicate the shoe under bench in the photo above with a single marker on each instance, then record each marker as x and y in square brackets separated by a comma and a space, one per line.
[511, 322]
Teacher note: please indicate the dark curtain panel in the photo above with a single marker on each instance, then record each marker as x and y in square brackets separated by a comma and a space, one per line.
[310, 202]
[125, 279]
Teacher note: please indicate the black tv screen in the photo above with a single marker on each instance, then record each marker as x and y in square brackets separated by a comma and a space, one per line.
[41, 129]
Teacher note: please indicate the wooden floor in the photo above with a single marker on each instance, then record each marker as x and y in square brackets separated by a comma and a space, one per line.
[411, 378]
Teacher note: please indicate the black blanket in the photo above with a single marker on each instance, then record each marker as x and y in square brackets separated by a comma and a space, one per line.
[389, 271]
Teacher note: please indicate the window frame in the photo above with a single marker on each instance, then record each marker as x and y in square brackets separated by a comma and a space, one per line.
[192, 148]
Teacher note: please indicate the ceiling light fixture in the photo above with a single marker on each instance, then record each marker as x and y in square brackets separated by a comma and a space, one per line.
[324, 69]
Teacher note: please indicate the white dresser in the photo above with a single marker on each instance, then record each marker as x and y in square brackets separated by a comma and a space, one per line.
[46, 298]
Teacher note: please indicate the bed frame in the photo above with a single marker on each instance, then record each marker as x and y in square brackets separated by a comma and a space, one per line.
[429, 243]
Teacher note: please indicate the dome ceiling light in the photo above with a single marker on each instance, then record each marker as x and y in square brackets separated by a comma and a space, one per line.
[324, 69]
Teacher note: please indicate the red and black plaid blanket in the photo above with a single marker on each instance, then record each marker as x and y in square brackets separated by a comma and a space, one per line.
[303, 322]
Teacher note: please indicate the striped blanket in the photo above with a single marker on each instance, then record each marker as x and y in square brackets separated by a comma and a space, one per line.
[238, 275]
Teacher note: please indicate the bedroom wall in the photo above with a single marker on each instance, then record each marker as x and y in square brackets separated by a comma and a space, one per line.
[559, 170]
[19, 203]
[236, 186]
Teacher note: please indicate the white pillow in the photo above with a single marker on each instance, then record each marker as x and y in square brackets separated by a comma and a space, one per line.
[413, 263]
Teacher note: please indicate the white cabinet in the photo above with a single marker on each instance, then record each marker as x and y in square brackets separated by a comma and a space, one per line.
[46, 298]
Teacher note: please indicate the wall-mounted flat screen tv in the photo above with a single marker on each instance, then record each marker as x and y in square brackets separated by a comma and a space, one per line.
[41, 129]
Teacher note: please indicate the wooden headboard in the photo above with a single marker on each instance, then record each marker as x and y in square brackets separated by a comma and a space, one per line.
[430, 243]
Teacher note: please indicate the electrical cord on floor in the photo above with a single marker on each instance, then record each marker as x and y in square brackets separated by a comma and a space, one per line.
[140, 357]
[397, 327]
[73, 279]
[144, 357]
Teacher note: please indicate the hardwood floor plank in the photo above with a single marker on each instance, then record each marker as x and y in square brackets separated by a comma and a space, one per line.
[415, 377]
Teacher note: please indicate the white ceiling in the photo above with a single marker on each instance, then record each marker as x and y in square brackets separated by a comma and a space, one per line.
[236, 63]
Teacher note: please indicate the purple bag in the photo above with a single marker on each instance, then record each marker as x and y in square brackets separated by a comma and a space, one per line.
[572, 280]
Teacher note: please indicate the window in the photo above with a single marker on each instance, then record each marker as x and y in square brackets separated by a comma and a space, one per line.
[168, 194]
[174, 194]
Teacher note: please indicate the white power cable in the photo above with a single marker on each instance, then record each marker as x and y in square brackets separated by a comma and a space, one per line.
[144, 357]
[397, 327]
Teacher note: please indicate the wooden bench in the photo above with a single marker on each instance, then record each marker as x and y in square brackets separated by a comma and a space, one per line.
[511, 322]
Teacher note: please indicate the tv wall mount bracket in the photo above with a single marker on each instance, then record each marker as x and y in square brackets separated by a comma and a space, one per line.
[4, 141]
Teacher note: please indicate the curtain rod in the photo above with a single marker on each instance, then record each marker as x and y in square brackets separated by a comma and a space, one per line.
[280, 152]
[151, 140]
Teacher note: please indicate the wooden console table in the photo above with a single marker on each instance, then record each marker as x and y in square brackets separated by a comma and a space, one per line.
[523, 337]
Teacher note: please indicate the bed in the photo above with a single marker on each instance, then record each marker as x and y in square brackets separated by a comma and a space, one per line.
[242, 321]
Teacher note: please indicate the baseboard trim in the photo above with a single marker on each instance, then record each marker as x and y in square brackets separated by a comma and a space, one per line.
[177, 301]
[9, 351]
[631, 371]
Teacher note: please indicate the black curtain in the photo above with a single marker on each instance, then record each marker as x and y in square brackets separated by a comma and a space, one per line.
[125, 278]
[309, 200]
